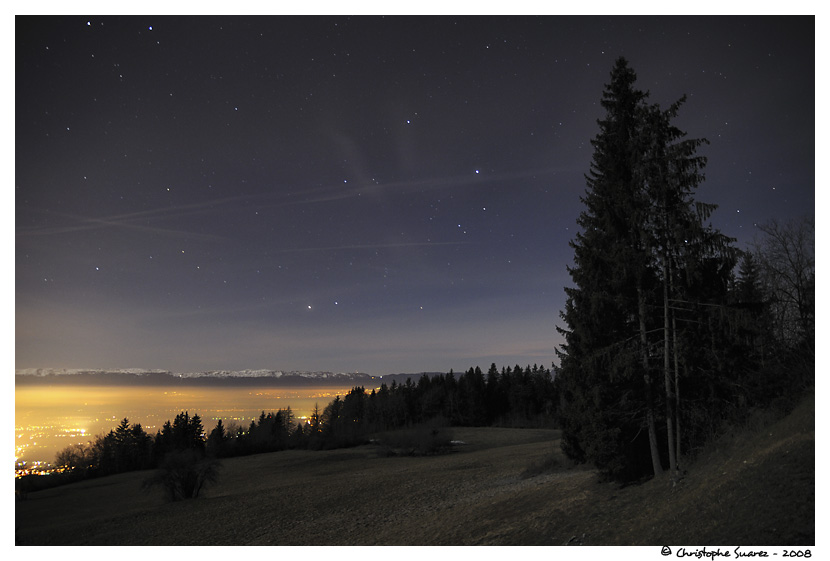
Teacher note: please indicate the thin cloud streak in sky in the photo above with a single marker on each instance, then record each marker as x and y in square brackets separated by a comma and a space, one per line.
[220, 205]
[99, 223]
[421, 185]
[128, 220]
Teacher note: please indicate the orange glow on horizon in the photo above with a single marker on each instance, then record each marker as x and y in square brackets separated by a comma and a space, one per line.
[49, 418]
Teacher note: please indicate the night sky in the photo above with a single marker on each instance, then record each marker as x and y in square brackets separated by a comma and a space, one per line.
[357, 194]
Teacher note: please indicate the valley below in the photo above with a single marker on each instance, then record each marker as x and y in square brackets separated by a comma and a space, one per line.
[758, 489]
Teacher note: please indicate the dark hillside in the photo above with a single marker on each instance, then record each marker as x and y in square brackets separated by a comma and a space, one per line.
[752, 487]
[757, 487]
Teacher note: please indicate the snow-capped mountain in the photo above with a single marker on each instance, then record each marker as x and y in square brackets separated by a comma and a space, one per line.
[165, 377]
[74, 371]
[266, 374]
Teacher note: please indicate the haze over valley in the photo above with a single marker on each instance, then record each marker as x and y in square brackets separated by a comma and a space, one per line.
[55, 408]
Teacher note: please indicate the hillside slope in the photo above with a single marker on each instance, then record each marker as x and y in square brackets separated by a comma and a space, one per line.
[758, 489]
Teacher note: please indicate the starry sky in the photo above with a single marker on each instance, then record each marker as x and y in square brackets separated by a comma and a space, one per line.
[357, 194]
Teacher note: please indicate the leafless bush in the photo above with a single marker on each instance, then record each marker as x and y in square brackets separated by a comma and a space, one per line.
[184, 474]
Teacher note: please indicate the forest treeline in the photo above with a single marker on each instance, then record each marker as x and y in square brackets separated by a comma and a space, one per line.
[514, 397]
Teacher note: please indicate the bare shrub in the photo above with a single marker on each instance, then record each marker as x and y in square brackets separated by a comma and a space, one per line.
[184, 474]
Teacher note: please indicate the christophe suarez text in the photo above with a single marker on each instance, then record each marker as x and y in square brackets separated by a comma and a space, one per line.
[704, 553]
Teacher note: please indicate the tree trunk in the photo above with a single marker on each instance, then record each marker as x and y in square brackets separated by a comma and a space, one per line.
[676, 387]
[667, 367]
[652, 432]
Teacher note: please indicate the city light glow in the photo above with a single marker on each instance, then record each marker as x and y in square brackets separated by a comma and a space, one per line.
[50, 418]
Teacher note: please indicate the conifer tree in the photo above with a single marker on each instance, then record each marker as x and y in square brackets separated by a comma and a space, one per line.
[643, 247]
[605, 376]
[216, 440]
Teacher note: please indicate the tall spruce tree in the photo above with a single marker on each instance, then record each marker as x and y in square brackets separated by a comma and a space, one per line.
[642, 238]
[604, 375]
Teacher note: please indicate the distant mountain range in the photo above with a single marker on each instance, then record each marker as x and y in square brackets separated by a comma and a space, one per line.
[138, 376]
